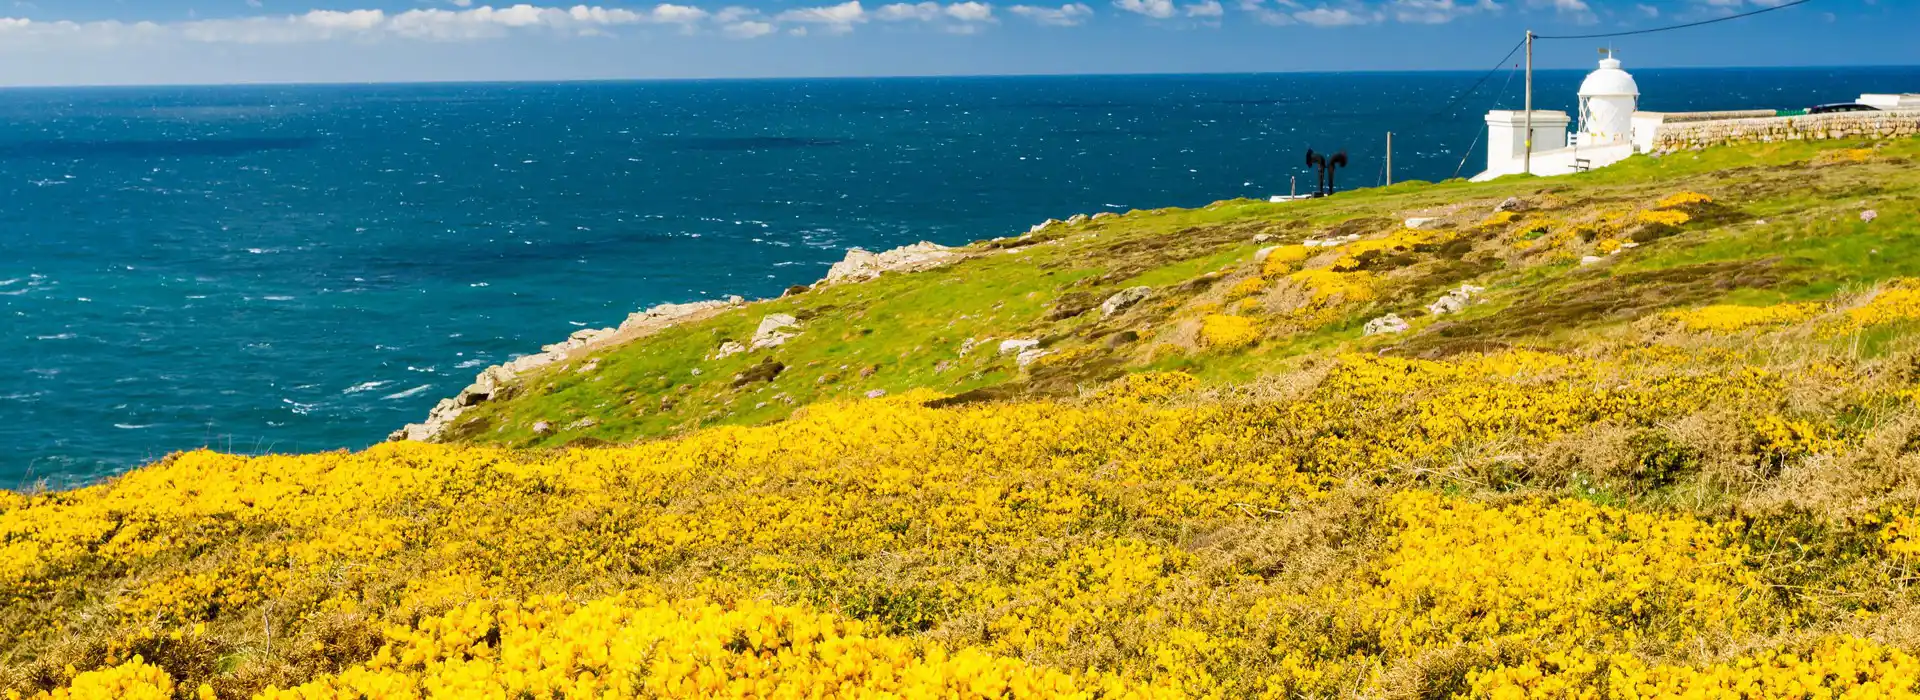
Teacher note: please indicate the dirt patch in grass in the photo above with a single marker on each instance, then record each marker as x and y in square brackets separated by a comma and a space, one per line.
[1131, 258]
[1361, 225]
[985, 394]
[1073, 304]
[467, 430]
[1592, 299]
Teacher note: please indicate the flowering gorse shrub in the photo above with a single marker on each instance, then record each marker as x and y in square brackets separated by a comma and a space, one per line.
[636, 647]
[1663, 217]
[1223, 332]
[1247, 287]
[1728, 318]
[1682, 199]
[1284, 259]
[1898, 301]
[887, 548]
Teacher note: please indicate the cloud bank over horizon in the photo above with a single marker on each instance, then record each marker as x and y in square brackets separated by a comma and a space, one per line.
[1079, 35]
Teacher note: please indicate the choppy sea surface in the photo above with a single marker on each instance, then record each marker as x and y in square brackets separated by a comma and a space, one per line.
[301, 268]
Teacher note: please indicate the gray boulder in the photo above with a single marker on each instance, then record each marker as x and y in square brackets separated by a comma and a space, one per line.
[1388, 324]
[1008, 347]
[1123, 299]
[773, 331]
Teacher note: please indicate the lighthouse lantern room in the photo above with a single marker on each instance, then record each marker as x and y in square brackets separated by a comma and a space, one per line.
[1608, 98]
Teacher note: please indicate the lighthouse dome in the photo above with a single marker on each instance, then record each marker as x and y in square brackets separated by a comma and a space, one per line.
[1608, 81]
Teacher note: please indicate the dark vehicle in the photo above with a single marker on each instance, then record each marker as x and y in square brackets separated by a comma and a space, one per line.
[1841, 107]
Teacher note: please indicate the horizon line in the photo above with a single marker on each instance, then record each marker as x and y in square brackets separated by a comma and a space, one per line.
[925, 76]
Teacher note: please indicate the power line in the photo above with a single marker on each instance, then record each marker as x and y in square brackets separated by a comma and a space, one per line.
[1483, 80]
[1480, 132]
[1728, 18]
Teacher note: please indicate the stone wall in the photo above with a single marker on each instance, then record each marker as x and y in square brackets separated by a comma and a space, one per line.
[1672, 117]
[1843, 125]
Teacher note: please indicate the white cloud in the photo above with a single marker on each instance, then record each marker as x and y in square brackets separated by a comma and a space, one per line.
[454, 21]
[1576, 10]
[957, 18]
[1157, 9]
[1069, 15]
[836, 18]
[971, 11]
[729, 15]
[432, 24]
[1267, 15]
[1437, 11]
[1210, 8]
[749, 29]
[898, 12]
[668, 13]
[1337, 17]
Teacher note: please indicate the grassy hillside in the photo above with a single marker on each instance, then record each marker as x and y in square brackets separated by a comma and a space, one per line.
[1782, 224]
[1689, 468]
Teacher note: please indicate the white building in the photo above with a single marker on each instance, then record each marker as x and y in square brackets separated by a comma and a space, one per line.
[1608, 99]
[1607, 130]
[1909, 100]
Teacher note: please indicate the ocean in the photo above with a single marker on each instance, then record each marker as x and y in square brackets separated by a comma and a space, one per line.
[300, 268]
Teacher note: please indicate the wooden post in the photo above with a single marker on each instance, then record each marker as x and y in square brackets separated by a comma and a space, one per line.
[1527, 161]
[1389, 159]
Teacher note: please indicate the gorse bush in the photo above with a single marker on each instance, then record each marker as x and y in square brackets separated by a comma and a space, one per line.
[1727, 318]
[1669, 475]
[1111, 546]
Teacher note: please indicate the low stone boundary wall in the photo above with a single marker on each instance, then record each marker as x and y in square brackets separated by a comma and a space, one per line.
[1672, 117]
[1841, 125]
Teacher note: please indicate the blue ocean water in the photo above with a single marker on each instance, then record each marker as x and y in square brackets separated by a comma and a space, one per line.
[299, 268]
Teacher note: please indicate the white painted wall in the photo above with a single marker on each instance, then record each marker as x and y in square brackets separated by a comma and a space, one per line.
[1909, 100]
[1506, 138]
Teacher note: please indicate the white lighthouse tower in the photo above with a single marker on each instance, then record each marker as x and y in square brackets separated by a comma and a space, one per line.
[1608, 99]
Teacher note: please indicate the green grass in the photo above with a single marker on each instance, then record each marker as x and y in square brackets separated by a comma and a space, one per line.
[1785, 227]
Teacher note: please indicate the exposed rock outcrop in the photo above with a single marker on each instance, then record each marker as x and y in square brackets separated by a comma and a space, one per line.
[773, 331]
[861, 265]
[492, 380]
[776, 329]
[1123, 299]
[1390, 323]
[1454, 300]
[1333, 242]
[1008, 347]
[1028, 356]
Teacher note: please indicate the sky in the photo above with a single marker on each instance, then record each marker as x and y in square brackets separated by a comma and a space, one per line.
[132, 42]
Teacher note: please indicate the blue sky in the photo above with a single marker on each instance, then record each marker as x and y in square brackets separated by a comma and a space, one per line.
[67, 42]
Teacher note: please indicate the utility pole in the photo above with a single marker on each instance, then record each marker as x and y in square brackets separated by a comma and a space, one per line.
[1527, 161]
[1389, 159]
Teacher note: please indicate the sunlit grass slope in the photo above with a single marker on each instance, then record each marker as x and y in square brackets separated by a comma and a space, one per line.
[1749, 225]
[1689, 469]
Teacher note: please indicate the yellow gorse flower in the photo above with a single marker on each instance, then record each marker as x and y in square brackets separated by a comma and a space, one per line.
[1728, 318]
[1225, 332]
[1682, 199]
[1663, 217]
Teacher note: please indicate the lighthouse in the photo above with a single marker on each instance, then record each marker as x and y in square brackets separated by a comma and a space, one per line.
[1608, 99]
[1607, 132]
